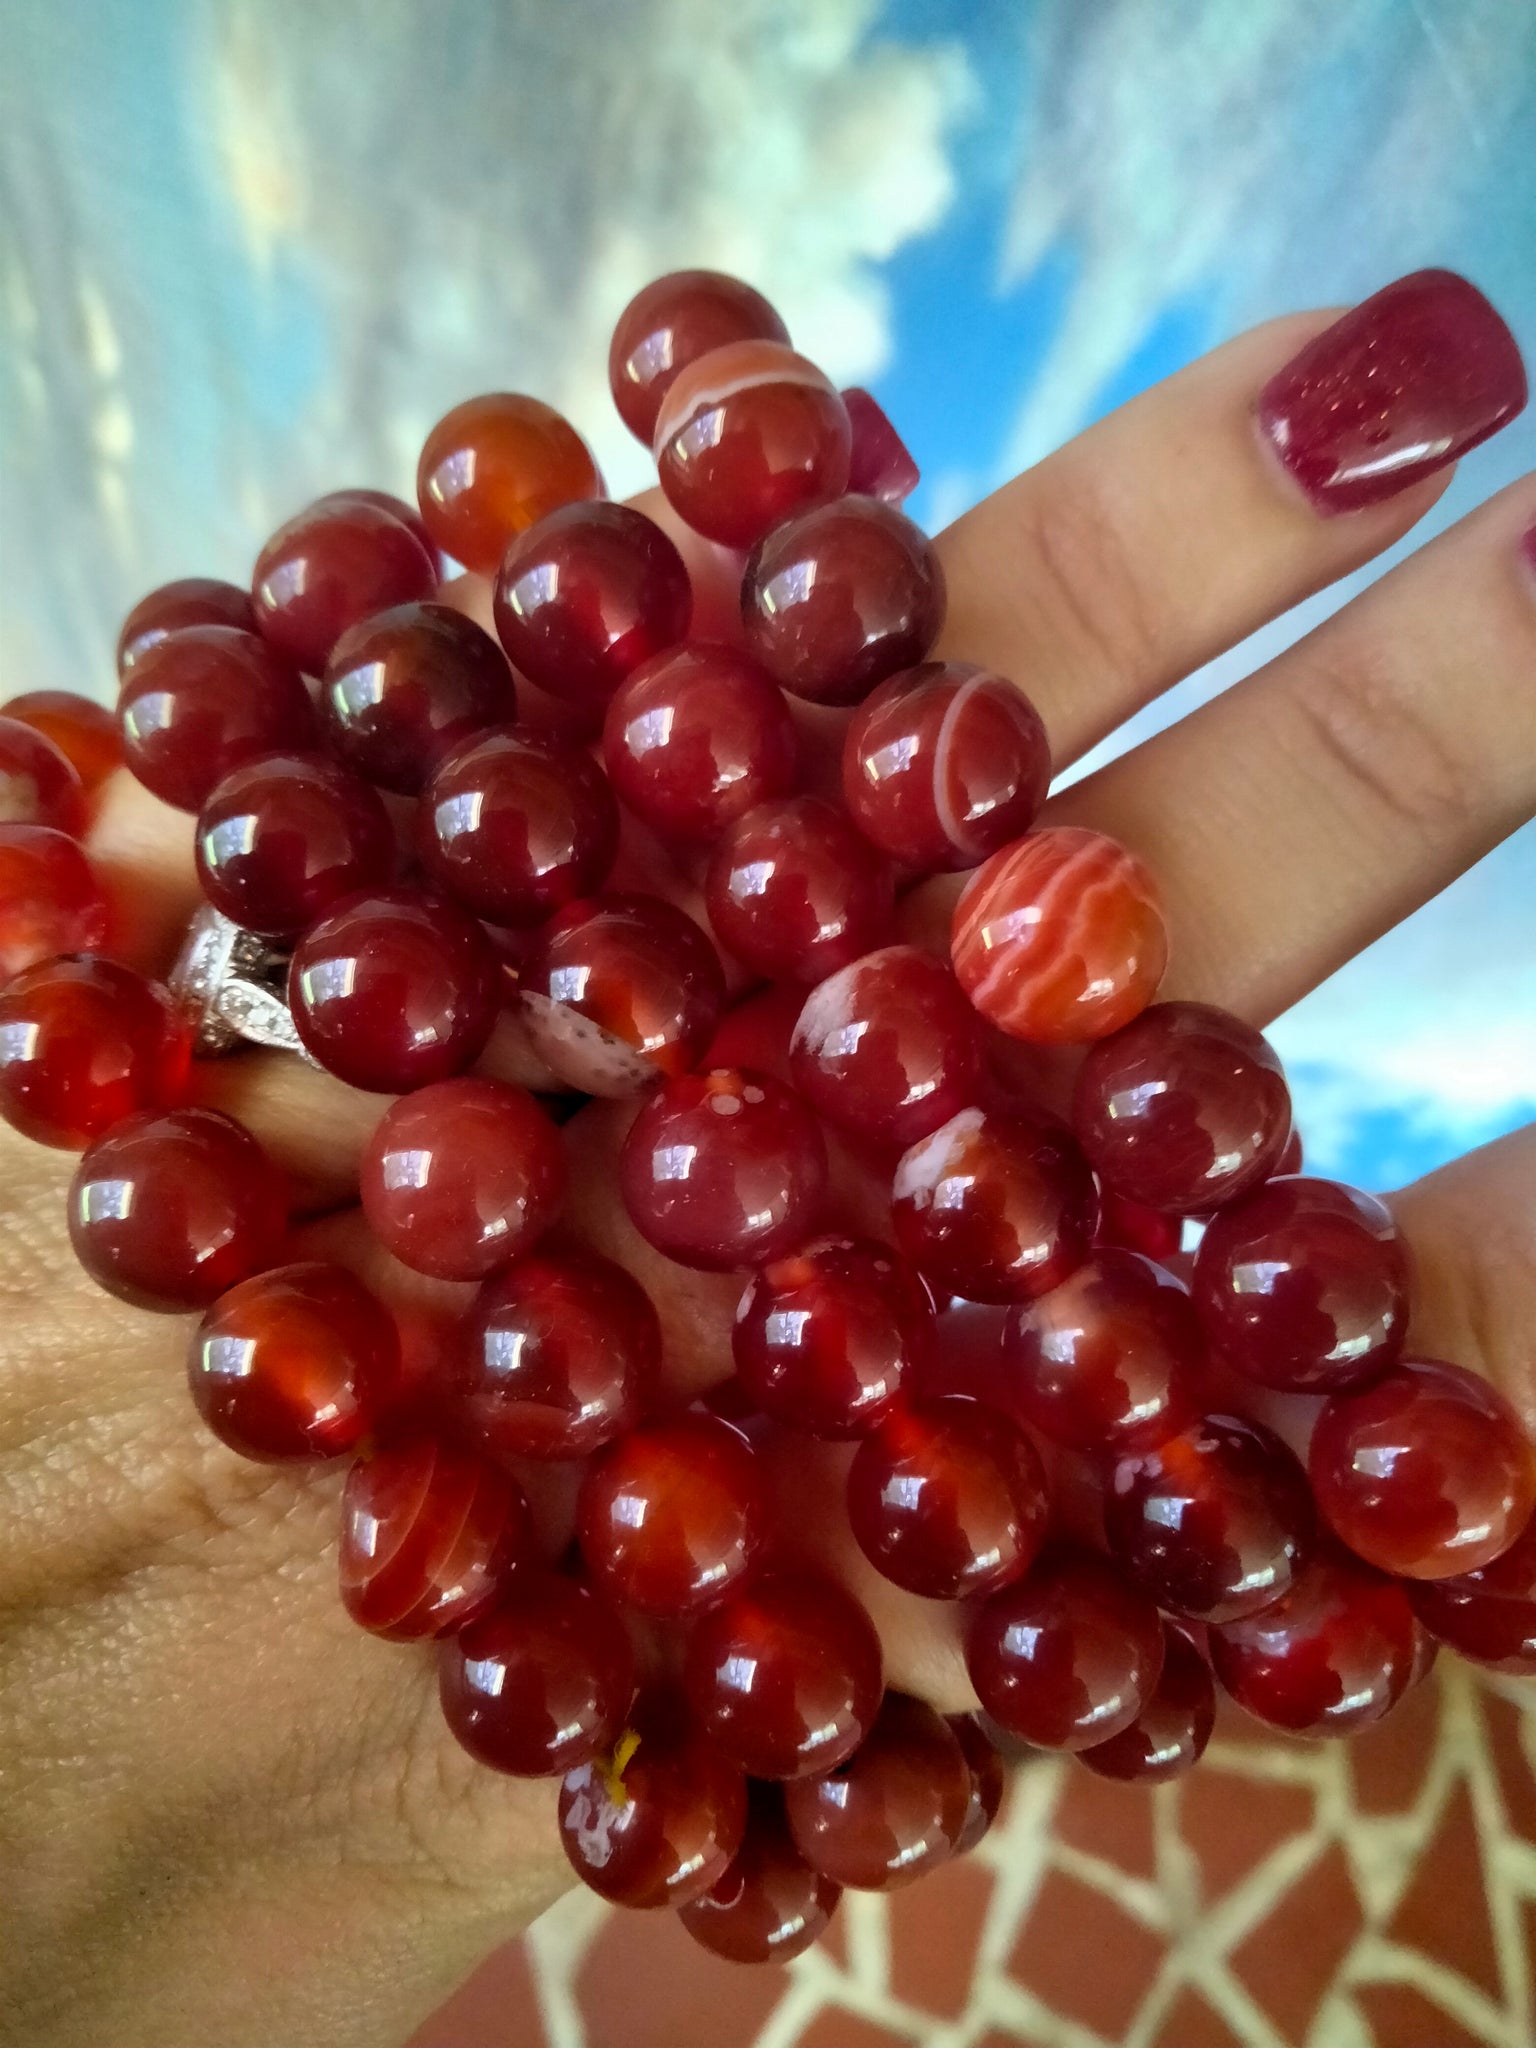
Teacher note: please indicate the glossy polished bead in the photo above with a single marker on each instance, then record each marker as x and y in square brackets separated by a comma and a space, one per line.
[84, 731]
[619, 991]
[888, 1047]
[1169, 1735]
[294, 1364]
[894, 1811]
[1184, 1109]
[994, 1207]
[824, 1337]
[190, 601]
[945, 764]
[794, 891]
[671, 1517]
[337, 562]
[203, 700]
[880, 464]
[748, 435]
[723, 1169]
[173, 1207]
[283, 838]
[50, 901]
[669, 324]
[696, 738]
[1303, 1284]
[517, 825]
[406, 687]
[494, 465]
[1109, 1359]
[1488, 1615]
[429, 1533]
[460, 1176]
[785, 1677]
[1428, 1473]
[1133, 1227]
[1331, 1655]
[770, 1905]
[562, 1354]
[661, 1832]
[394, 988]
[38, 784]
[1060, 939]
[1215, 1523]
[840, 597]
[543, 1682]
[85, 1042]
[948, 1499]
[385, 501]
[989, 1780]
[1069, 1655]
[587, 595]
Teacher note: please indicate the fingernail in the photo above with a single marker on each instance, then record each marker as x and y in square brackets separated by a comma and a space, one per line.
[1405, 383]
[1528, 549]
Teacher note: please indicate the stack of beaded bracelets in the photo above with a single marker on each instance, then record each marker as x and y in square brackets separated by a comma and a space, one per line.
[421, 859]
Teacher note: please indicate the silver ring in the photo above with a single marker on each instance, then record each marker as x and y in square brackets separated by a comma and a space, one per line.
[231, 984]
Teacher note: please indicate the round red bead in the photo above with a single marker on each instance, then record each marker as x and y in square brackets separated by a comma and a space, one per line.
[770, 1905]
[394, 988]
[1215, 1523]
[429, 1532]
[201, 701]
[994, 1207]
[618, 991]
[696, 738]
[293, 1364]
[403, 689]
[84, 1043]
[50, 901]
[1170, 1733]
[1068, 1656]
[824, 1336]
[1489, 1614]
[84, 732]
[494, 465]
[894, 1811]
[989, 1780]
[1331, 1655]
[190, 601]
[460, 1176]
[785, 1677]
[669, 324]
[173, 1207]
[1183, 1109]
[338, 561]
[663, 1831]
[563, 1354]
[1109, 1359]
[795, 892]
[1303, 1284]
[888, 1047]
[671, 1517]
[517, 825]
[747, 435]
[543, 1682]
[38, 783]
[386, 501]
[840, 597]
[283, 838]
[881, 464]
[723, 1169]
[1428, 1473]
[945, 764]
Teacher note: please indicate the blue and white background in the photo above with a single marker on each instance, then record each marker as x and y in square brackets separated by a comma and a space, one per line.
[251, 248]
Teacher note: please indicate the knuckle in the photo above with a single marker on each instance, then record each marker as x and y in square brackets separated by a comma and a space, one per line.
[1084, 574]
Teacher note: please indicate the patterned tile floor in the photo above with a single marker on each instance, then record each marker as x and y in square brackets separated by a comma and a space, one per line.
[1375, 1895]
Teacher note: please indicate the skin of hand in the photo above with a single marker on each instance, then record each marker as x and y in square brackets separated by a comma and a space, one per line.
[228, 1814]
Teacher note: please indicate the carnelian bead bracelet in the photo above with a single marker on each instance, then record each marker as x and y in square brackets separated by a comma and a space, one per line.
[986, 1301]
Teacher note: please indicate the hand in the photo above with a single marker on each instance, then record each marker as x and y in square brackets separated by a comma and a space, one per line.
[231, 1816]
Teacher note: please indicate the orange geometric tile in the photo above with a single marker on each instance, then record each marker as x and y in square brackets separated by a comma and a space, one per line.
[1290, 1959]
[1108, 1819]
[1084, 1956]
[935, 1930]
[1401, 2017]
[1444, 1912]
[832, 2028]
[1388, 1763]
[498, 2003]
[643, 1984]
[1516, 1780]
[1232, 1823]
[1192, 2024]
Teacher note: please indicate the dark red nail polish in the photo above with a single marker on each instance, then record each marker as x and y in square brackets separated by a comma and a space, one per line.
[1405, 383]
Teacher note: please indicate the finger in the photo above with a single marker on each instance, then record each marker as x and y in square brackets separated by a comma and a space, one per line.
[141, 851]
